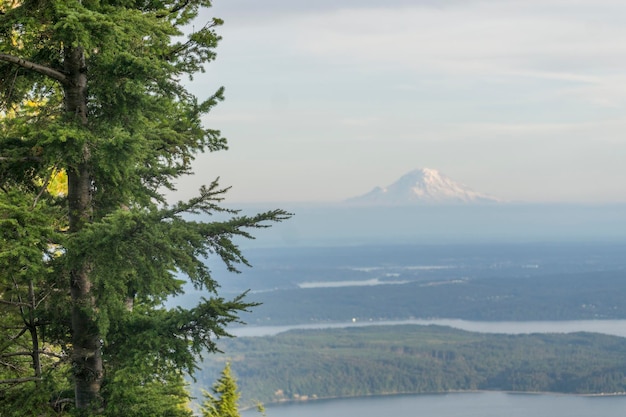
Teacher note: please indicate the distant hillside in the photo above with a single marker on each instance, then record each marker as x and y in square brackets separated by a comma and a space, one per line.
[301, 365]
[423, 186]
[491, 296]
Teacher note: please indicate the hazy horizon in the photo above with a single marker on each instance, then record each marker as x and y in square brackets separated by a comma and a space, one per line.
[330, 225]
[326, 100]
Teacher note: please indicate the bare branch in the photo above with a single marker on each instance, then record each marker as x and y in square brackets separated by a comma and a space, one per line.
[58, 403]
[19, 380]
[180, 6]
[174, 9]
[26, 158]
[22, 330]
[53, 355]
[42, 298]
[10, 90]
[30, 353]
[22, 353]
[10, 365]
[41, 191]
[33, 66]
[14, 303]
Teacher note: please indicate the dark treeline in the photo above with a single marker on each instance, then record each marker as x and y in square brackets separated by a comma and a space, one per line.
[300, 365]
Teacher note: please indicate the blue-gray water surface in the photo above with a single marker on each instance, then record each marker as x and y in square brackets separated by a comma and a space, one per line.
[482, 404]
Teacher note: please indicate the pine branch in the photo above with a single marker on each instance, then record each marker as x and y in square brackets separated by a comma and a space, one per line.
[33, 66]
[182, 47]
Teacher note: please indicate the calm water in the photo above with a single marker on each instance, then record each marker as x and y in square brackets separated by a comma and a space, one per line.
[487, 404]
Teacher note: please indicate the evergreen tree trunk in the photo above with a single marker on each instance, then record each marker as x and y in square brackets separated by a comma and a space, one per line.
[32, 328]
[86, 354]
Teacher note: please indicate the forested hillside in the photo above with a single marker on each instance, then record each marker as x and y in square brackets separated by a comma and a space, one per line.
[301, 365]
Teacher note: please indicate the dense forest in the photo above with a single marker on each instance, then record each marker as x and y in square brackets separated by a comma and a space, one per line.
[301, 365]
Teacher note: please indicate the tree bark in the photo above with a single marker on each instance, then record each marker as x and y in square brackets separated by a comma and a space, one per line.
[32, 66]
[86, 345]
[32, 328]
[86, 353]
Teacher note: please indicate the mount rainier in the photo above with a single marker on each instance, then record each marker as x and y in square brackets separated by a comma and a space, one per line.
[423, 186]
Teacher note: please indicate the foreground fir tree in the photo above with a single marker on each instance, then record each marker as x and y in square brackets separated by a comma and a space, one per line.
[94, 126]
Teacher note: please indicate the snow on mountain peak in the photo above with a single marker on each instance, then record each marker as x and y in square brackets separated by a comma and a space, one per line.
[423, 186]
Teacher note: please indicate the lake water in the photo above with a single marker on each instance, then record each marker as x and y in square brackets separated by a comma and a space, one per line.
[483, 404]
[610, 327]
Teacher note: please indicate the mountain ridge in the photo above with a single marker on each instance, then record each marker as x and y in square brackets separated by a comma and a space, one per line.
[424, 186]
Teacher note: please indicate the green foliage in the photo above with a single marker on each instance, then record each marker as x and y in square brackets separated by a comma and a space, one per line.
[92, 89]
[377, 360]
[223, 400]
[134, 394]
[28, 299]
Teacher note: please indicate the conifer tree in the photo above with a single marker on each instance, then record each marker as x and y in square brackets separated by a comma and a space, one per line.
[95, 126]
[223, 399]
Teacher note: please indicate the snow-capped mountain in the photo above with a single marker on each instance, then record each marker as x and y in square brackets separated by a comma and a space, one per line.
[423, 186]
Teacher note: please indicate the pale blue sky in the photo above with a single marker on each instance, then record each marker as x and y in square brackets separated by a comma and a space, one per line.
[525, 100]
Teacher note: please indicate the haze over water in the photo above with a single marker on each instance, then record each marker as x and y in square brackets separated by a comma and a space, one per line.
[610, 327]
